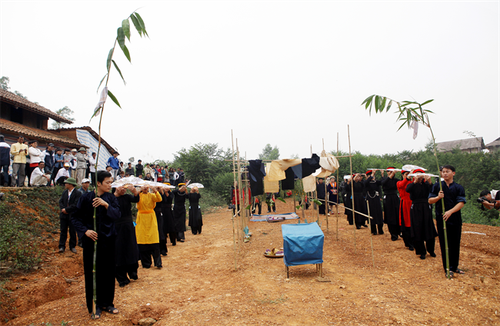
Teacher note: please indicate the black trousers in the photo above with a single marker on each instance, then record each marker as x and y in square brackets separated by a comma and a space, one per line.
[105, 270]
[257, 206]
[394, 230]
[148, 250]
[163, 246]
[173, 238]
[424, 246]
[123, 271]
[180, 235]
[66, 224]
[196, 229]
[406, 235]
[375, 226]
[454, 234]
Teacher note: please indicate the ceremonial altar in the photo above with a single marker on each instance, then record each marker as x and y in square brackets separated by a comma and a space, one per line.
[302, 245]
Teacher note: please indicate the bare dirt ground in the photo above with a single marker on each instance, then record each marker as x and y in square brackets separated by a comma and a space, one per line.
[199, 284]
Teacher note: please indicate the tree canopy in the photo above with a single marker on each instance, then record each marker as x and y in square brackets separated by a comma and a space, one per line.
[270, 153]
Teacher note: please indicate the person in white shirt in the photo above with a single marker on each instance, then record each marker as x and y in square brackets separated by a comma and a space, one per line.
[35, 157]
[38, 178]
[92, 160]
[62, 174]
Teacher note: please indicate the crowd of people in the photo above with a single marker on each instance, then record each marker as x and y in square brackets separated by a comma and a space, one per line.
[405, 206]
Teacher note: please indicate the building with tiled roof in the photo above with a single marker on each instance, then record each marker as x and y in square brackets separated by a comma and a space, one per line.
[494, 145]
[469, 145]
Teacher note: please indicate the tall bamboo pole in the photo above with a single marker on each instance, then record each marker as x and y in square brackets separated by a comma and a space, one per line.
[327, 206]
[336, 187]
[370, 226]
[232, 218]
[241, 219]
[352, 188]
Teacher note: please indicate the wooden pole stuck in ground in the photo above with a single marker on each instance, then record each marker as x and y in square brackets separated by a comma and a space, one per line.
[232, 218]
[352, 188]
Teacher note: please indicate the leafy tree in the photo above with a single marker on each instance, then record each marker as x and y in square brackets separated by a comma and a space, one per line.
[4, 83]
[64, 112]
[202, 162]
[270, 153]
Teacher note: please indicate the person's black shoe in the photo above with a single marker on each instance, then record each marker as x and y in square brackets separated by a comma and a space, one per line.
[394, 238]
[61, 250]
[133, 276]
[432, 254]
[73, 250]
[163, 253]
[374, 233]
[381, 232]
[411, 248]
[364, 225]
[422, 256]
[181, 240]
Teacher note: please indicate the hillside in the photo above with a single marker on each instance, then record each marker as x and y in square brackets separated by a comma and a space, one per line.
[199, 285]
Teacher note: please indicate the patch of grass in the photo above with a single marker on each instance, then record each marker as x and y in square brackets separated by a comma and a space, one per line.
[267, 300]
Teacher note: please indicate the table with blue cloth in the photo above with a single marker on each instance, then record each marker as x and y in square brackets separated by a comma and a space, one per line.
[302, 245]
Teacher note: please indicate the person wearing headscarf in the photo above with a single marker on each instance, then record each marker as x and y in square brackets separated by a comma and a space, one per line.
[359, 201]
[127, 251]
[180, 196]
[146, 229]
[195, 218]
[404, 209]
[372, 191]
[168, 217]
[422, 224]
[391, 203]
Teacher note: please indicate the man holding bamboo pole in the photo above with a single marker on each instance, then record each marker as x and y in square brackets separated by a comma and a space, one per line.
[453, 195]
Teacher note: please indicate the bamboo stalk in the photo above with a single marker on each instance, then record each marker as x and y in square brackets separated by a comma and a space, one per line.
[371, 234]
[232, 218]
[352, 188]
[336, 187]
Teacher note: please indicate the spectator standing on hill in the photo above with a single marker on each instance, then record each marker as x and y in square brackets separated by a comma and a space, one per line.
[81, 165]
[19, 150]
[139, 169]
[92, 160]
[73, 163]
[50, 159]
[58, 163]
[148, 170]
[129, 170]
[38, 178]
[85, 186]
[4, 160]
[35, 157]
[67, 204]
[115, 164]
[453, 195]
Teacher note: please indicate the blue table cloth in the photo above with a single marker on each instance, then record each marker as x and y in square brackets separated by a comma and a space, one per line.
[302, 244]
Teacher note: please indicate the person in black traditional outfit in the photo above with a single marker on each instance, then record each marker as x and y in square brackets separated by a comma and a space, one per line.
[127, 251]
[422, 224]
[195, 219]
[372, 191]
[359, 202]
[347, 198]
[321, 193]
[161, 225]
[404, 210]
[107, 213]
[391, 203]
[180, 196]
[168, 218]
[332, 192]
[453, 195]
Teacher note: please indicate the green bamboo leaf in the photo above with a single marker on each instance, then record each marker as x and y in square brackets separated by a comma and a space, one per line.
[120, 37]
[108, 61]
[96, 112]
[137, 24]
[281, 199]
[389, 106]
[119, 71]
[404, 123]
[377, 103]
[384, 100]
[114, 98]
[139, 18]
[428, 111]
[248, 207]
[298, 207]
[427, 102]
[368, 101]
[127, 54]
[126, 28]
[317, 202]
[106, 75]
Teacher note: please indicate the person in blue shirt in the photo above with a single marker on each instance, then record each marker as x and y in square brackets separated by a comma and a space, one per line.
[453, 195]
[114, 162]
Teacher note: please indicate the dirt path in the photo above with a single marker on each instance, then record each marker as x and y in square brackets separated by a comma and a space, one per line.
[198, 284]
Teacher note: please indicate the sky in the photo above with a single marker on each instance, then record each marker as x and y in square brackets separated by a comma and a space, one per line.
[289, 73]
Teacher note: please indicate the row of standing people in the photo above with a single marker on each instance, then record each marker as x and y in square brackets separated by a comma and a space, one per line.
[407, 209]
[120, 245]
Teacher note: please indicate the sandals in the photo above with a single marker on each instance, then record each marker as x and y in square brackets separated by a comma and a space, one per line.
[111, 310]
[459, 271]
[97, 315]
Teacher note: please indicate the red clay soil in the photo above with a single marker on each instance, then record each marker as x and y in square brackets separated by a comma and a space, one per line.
[199, 284]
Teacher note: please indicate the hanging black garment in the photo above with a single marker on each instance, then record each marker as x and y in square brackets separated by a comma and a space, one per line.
[310, 165]
[288, 182]
[257, 172]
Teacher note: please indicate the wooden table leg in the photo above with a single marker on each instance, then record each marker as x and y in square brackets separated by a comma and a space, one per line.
[287, 272]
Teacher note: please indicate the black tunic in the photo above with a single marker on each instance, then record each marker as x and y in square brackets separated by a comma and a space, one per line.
[422, 224]
[347, 198]
[372, 190]
[126, 249]
[195, 219]
[391, 201]
[359, 203]
[180, 210]
[166, 210]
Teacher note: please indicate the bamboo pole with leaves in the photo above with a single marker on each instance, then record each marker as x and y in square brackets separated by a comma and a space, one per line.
[411, 113]
[123, 33]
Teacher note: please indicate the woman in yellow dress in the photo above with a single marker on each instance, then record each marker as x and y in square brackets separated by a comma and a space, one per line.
[147, 227]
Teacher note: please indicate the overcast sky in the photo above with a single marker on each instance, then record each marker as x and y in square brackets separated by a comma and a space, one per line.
[288, 73]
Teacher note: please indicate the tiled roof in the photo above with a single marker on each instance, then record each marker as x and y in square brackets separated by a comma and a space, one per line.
[494, 143]
[462, 144]
[95, 135]
[7, 126]
[8, 97]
